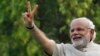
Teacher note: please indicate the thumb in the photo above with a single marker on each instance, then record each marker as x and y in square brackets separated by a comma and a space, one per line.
[27, 17]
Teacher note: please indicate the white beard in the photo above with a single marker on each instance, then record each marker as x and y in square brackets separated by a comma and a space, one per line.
[81, 43]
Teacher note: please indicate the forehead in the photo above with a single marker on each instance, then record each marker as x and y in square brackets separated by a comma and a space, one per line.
[78, 24]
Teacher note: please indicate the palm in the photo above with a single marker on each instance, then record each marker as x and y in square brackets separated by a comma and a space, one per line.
[29, 14]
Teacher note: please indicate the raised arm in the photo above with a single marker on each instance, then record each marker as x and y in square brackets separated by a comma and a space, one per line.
[44, 41]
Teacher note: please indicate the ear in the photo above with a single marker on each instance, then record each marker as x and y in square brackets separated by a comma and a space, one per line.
[92, 33]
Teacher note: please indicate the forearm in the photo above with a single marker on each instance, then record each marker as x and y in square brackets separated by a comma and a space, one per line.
[39, 35]
[45, 42]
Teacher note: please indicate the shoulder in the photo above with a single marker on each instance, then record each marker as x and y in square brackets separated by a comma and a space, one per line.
[96, 45]
[64, 45]
[59, 49]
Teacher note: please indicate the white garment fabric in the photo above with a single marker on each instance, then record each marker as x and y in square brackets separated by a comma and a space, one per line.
[92, 49]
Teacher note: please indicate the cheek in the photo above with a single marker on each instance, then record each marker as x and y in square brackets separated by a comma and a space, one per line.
[88, 36]
[84, 34]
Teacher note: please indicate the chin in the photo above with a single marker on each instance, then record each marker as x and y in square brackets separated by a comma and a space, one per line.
[80, 43]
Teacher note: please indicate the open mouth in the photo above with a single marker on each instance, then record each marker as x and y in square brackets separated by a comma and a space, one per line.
[77, 38]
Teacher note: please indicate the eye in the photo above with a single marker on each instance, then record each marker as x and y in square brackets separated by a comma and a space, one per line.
[72, 30]
[77, 29]
[80, 29]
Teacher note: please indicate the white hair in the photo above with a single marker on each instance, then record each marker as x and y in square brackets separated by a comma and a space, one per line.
[89, 23]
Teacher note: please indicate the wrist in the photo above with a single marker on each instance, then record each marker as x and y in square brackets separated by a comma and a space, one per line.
[30, 27]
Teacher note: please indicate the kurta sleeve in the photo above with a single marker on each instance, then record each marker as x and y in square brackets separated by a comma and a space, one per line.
[58, 50]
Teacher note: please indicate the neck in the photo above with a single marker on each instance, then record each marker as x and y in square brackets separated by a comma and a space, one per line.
[81, 48]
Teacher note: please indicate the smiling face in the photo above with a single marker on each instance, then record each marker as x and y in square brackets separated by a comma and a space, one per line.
[80, 34]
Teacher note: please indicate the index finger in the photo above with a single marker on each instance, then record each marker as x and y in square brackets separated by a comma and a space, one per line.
[34, 9]
[28, 6]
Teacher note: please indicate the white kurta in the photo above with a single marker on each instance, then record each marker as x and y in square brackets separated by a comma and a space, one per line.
[92, 49]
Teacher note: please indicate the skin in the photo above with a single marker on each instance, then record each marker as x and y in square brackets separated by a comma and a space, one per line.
[41, 38]
[77, 29]
[80, 32]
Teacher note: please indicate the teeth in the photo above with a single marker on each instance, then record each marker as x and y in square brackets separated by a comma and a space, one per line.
[75, 38]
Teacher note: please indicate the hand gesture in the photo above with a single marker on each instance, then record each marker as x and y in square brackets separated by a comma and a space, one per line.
[29, 15]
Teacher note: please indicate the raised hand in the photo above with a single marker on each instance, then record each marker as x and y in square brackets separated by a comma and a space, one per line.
[29, 15]
[40, 36]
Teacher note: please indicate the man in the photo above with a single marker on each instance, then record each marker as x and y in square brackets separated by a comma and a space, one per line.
[82, 34]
